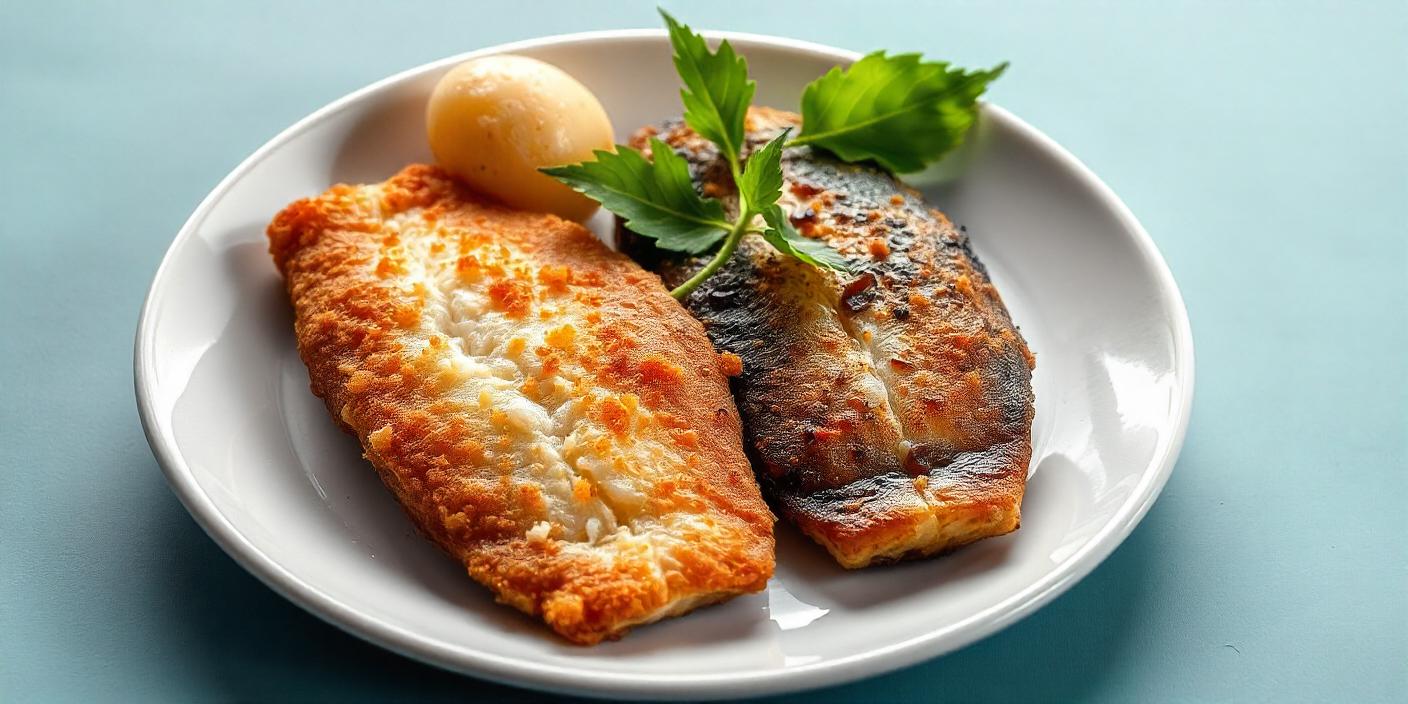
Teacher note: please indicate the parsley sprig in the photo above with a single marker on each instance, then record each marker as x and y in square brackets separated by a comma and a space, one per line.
[898, 111]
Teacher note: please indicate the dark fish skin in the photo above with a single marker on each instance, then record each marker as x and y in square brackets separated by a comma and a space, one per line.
[888, 411]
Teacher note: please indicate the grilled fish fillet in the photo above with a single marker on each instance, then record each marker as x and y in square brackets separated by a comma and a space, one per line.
[540, 406]
[889, 411]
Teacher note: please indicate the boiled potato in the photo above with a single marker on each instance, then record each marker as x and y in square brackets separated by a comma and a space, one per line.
[495, 120]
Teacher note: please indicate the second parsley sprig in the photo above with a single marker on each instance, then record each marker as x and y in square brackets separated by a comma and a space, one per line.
[759, 187]
[898, 111]
[657, 199]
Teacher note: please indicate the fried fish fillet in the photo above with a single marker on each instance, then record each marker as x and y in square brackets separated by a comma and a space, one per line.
[889, 411]
[540, 406]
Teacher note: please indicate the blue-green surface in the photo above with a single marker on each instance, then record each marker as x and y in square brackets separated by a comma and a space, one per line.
[1264, 145]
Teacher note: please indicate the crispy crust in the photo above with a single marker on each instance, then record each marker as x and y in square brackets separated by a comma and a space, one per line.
[888, 412]
[540, 406]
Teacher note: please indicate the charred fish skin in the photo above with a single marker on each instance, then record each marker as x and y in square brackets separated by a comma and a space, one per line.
[887, 411]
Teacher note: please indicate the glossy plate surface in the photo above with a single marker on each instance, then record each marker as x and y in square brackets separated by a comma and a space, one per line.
[254, 457]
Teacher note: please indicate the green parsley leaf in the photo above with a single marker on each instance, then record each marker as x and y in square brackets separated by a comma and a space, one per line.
[717, 90]
[761, 182]
[787, 240]
[759, 187]
[656, 198]
[898, 110]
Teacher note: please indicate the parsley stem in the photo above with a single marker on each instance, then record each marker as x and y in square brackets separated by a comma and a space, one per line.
[734, 169]
[735, 235]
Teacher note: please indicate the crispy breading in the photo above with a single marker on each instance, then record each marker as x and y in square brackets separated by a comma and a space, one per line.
[888, 411]
[540, 406]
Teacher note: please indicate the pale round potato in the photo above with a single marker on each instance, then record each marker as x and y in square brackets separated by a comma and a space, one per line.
[495, 120]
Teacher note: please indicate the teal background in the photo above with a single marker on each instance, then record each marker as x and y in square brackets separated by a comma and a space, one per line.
[1264, 145]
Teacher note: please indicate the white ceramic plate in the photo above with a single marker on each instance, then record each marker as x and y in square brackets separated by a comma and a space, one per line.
[254, 457]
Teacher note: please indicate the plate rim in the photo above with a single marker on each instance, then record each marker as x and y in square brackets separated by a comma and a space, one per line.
[586, 681]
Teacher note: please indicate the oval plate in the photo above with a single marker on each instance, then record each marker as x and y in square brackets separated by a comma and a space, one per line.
[252, 454]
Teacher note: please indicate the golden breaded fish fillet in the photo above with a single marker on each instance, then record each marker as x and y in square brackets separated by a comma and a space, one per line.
[889, 411]
[540, 406]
